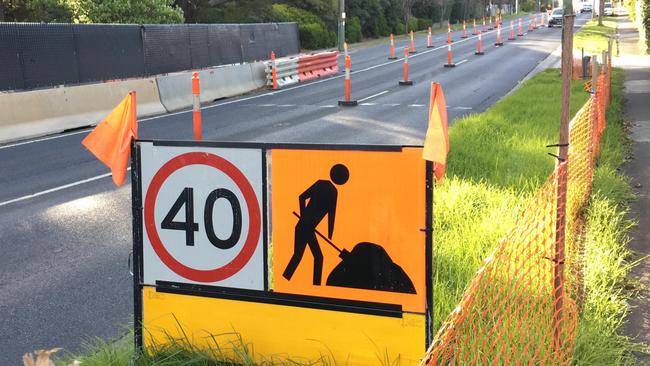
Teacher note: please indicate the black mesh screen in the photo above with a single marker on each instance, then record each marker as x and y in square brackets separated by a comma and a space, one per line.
[166, 49]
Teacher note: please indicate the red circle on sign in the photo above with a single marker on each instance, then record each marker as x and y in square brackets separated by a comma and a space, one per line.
[221, 164]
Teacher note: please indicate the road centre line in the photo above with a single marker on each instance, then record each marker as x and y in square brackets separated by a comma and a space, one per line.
[373, 96]
[461, 62]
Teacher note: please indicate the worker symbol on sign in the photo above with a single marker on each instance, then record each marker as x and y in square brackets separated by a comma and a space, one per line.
[316, 202]
[367, 266]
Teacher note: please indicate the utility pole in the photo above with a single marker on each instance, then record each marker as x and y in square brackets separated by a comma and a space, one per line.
[341, 24]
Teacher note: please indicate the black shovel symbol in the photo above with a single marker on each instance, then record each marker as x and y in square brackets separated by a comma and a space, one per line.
[369, 267]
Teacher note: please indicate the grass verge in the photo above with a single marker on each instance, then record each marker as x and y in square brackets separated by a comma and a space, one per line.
[592, 37]
[498, 160]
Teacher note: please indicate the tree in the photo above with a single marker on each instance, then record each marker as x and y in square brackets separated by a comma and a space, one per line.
[601, 11]
[128, 11]
[40, 11]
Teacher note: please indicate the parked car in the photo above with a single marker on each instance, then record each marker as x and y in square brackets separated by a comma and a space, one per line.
[586, 7]
[556, 17]
[608, 10]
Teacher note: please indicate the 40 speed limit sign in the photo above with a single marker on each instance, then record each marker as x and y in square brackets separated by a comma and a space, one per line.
[202, 216]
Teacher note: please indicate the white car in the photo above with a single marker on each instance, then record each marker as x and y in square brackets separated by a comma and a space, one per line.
[608, 10]
[586, 7]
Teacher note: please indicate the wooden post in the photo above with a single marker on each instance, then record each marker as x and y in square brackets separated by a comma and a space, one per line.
[567, 70]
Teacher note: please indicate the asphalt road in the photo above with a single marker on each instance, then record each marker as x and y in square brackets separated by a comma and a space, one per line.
[65, 229]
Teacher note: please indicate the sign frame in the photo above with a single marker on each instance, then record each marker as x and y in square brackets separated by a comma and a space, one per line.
[268, 296]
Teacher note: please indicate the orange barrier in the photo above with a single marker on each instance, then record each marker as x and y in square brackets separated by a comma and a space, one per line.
[196, 107]
[534, 21]
[490, 27]
[406, 81]
[474, 29]
[318, 65]
[498, 43]
[521, 29]
[449, 63]
[512, 31]
[392, 48]
[464, 30]
[348, 102]
[523, 305]
[429, 39]
[449, 40]
[478, 45]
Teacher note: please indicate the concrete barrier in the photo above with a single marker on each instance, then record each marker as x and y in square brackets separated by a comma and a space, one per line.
[39, 112]
[216, 83]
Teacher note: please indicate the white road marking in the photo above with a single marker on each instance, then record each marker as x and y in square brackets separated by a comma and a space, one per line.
[392, 104]
[462, 108]
[368, 104]
[56, 189]
[286, 105]
[461, 62]
[327, 106]
[373, 96]
[416, 105]
[267, 105]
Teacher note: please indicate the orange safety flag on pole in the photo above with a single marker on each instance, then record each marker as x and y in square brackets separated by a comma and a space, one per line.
[110, 141]
[436, 143]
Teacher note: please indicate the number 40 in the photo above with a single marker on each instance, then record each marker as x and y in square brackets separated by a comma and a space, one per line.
[186, 198]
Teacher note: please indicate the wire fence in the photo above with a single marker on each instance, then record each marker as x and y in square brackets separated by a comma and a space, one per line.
[522, 306]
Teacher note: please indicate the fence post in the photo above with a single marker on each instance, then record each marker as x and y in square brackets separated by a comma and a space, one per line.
[562, 173]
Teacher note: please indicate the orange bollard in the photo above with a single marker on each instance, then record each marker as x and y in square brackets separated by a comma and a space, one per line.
[498, 43]
[484, 29]
[347, 102]
[512, 31]
[543, 19]
[406, 81]
[429, 39]
[412, 49]
[534, 21]
[478, 45]
[464, 30]
[449, 40]
[449, 63]
[490, 27]
[392, 48]
[474, 31]
[345, 49]
[274, 71]
[530, 25]
[521, 29]
[196, 110]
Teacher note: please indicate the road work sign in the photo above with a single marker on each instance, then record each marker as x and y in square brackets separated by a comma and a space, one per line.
[305, 253]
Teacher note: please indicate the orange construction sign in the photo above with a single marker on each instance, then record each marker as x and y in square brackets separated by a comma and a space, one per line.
[436, 143]
[350, 225]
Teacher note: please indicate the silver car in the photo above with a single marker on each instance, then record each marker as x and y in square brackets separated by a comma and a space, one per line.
[556, 17]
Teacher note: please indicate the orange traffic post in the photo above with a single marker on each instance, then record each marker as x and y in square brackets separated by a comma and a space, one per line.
[534, 21]
[464, 30]
[274, 71]
[449, 40]
[484, 29]
[412, 48]
[345, 49]
[449, 63]
[498, 43]
[478, 45]
[512, 31]
[406, 81]
[530, 25]
[392, 48]
[543, 19]
[429, 39]
[474, 30]
[348, 102]
[520, 33]
[490, 25]
[196, 108]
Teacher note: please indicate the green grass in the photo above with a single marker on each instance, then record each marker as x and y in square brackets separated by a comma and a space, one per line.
[594, 38]
[498, 160]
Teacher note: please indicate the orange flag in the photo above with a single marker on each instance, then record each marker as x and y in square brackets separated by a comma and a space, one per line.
[436, 143]
[110, 141]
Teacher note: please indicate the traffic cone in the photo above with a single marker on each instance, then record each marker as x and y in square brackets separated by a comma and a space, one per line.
[478, 45]
[521, 29]
[530, 25]
[449, 40]
[484, 25]
[274, 71]
[512, 31]
[412, 49]
[406, 81]
[464, 30]
[474, 30]
[498, 43]
[490, 27]
[543, 20]
[348, 102]
[429, 39]
[534, 21]
[449, 63]
[392, 48]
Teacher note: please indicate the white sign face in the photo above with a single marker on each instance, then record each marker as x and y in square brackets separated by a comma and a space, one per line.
[202, 216]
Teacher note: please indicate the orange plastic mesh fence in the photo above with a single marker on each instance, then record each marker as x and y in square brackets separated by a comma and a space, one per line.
[523, 304]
